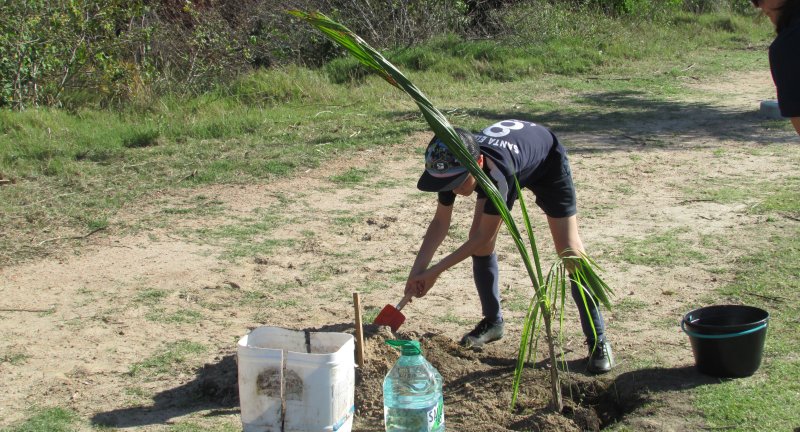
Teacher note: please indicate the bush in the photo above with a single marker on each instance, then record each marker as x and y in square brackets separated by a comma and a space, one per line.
[705, 6]
[49, 49]
[99, 53]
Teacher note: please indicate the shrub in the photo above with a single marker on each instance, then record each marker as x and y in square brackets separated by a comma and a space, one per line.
[110, 53]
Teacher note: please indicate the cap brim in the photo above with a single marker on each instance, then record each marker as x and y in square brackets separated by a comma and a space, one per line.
[429, 183]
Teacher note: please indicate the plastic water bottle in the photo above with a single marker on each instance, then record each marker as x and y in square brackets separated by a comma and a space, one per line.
[412, 392]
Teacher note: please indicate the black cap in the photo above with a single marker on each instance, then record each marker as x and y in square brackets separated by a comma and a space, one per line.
[443, 172]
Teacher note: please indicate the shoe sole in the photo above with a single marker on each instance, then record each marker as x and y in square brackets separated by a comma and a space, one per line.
[468, 343]
[598, 371]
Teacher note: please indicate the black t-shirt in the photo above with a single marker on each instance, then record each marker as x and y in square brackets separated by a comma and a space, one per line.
[784, 61]
[512, 148]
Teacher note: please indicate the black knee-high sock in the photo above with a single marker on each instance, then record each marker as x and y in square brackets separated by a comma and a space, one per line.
[594, 312]
[486, 274]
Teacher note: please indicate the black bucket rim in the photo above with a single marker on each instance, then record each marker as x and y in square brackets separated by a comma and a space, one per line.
[717, 328]
[731, 344]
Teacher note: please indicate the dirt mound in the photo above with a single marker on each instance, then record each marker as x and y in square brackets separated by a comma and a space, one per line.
[477, 388]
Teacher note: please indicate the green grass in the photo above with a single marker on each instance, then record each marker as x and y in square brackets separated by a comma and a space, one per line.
[398, 275]
[667, 249]
[558, 41]
[283, 304]
[373, 285]
[48, 419]
[194, 427]
[183, 316]
[255, 247]
[346, 221]
[247, 237]
[262, 300]
[629, 305]
[137, 392]
[151, 296]
[254, 297]
[769, 399]
[370, 312]
[624, 189]
[784, 199]
[174, 357]
[716, 242]
[276, 287]
[14, 358]
[452, 318]
[353, 176]
[517, 301]
[198, 206]
[765, 197]
[75, 170]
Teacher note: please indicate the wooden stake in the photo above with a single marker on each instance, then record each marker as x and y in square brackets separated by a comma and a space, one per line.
[359, 331]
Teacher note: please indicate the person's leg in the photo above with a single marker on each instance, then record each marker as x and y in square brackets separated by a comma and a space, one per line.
[588, 308]
[490, 328]
[568, 243]
[485, 271]
[486, 274]
[565, 235]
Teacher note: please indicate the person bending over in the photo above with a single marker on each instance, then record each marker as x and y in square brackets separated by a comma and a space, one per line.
[503, 150]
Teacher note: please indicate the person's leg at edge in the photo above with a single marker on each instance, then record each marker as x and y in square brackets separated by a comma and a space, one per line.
[486, 275]
[568, 243]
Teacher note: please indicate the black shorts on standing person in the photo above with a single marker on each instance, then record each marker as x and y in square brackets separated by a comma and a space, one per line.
[506, 150]
[784, 54]
[784, 60]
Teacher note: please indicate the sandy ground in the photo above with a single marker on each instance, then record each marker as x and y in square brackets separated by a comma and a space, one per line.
[80, 328]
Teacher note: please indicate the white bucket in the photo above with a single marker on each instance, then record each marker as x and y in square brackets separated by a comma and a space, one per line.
[290, 384]
[770, 110]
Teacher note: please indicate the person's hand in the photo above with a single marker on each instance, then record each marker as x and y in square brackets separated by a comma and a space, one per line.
[419, 285]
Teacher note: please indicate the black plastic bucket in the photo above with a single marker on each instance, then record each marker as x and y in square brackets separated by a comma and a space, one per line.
[727, 340]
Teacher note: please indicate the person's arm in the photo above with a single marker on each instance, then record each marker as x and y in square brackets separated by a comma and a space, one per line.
[796, 124]
[482, 237]
[434, 236]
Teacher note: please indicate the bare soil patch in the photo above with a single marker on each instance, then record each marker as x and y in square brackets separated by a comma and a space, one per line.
[89, 327]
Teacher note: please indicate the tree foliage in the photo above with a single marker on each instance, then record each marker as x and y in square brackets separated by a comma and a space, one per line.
[75, 53]
[48, 48]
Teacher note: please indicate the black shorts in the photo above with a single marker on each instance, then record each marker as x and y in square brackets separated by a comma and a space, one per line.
[555, 192]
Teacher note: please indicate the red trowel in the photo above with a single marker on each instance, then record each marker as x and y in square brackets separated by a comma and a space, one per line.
[391, 315]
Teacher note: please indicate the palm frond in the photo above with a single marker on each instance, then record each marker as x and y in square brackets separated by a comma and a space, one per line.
[529, 327]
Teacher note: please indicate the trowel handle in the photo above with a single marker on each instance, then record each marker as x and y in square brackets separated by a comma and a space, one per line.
[403, 302]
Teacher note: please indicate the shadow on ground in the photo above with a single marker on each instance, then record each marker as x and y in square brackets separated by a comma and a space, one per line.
[629, 120]
[630, 391]
[214, 388]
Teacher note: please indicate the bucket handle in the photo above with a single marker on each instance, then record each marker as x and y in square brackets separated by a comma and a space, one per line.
[720, 336]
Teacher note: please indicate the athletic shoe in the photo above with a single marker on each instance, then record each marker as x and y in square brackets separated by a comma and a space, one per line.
[601, 359]
[486, 331]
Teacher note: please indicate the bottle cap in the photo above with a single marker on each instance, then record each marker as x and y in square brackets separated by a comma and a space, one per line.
[406, 347]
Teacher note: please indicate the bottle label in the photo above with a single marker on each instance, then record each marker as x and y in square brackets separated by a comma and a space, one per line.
[436, 417]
